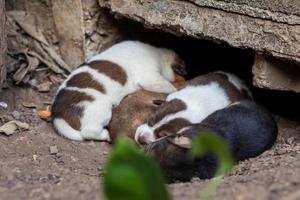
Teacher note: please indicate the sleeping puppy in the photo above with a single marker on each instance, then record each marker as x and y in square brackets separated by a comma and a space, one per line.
[190, 105]
[247, 127]
[132, 112]
[83, 104]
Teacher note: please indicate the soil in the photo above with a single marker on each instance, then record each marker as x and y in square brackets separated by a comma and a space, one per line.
[28, 170]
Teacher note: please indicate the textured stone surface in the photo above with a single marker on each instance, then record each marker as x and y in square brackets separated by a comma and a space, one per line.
[275, 74]
[260, 25]
[70, 30]
[2, 43]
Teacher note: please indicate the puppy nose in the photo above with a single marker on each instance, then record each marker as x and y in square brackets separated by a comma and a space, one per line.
[143, 140]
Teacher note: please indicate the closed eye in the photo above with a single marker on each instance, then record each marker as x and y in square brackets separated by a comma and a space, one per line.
[158, 102]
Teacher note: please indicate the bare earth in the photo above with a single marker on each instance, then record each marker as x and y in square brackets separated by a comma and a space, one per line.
[29, 171]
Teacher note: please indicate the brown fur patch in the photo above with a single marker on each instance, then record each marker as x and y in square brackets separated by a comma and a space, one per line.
[85, 80]
[65, 106]
[172, 127]
[233, 93]
[133, 111]
[110, 69]
[165, 109]
[178, 66]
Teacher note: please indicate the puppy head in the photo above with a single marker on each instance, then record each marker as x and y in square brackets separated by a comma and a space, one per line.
[133, 111]
[162, 121]
[144, 135]
[172, 65]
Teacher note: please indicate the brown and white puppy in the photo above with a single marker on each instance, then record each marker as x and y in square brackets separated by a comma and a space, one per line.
[190, 105]
[83, 105]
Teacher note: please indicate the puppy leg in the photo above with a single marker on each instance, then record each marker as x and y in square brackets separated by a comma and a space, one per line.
[160, 85]
[103, 136]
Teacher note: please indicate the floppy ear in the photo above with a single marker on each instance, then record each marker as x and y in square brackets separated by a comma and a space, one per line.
[164, 133]
[181, 141]
[158, 102]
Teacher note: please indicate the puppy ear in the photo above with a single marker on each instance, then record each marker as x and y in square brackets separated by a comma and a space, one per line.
[181, 141]
[158, 102]
[164, 133]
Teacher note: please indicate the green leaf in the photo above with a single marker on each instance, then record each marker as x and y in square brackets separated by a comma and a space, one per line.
[210, 143]
[130, 174]
[205, 143]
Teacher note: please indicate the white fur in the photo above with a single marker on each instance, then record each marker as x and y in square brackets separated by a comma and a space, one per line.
[146, 67]
[144, 130]
[200, 101]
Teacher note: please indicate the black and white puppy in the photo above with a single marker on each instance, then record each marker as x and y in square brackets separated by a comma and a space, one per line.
[247, 127]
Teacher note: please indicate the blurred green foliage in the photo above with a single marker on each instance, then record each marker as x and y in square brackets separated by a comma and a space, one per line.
[204, 143]
[131, 175]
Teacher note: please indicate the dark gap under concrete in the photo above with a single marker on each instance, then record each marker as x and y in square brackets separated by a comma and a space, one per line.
[202, 56]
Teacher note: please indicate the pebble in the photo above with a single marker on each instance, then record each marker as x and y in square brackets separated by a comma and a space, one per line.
[3, 104]
[290, 140]
[34, 157]
[16, 114]
[53, 150]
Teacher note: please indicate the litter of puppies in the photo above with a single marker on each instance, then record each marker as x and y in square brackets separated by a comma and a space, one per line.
[136, 89]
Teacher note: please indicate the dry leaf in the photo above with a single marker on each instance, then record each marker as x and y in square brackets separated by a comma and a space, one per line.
[10, 127]
[56, 57]
[28, 23]
[29, 105]
[44, 114]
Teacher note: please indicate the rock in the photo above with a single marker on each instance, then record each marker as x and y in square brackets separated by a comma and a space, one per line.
[16, 114]
[275, 74]
[3, 104]
[264, 26]
[44, 87]
[268, 27]
[10, 127]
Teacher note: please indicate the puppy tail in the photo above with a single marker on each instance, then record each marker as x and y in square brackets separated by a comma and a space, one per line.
[64, 129]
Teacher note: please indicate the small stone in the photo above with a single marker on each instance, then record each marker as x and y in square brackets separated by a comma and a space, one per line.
[59, 155]
[290, 140]
[44, 87]
[53, 150]
[99, 169]
[3, 104]
[34, 157]
[16, 114]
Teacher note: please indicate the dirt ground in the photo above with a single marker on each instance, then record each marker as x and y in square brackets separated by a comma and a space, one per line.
[29, 171]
